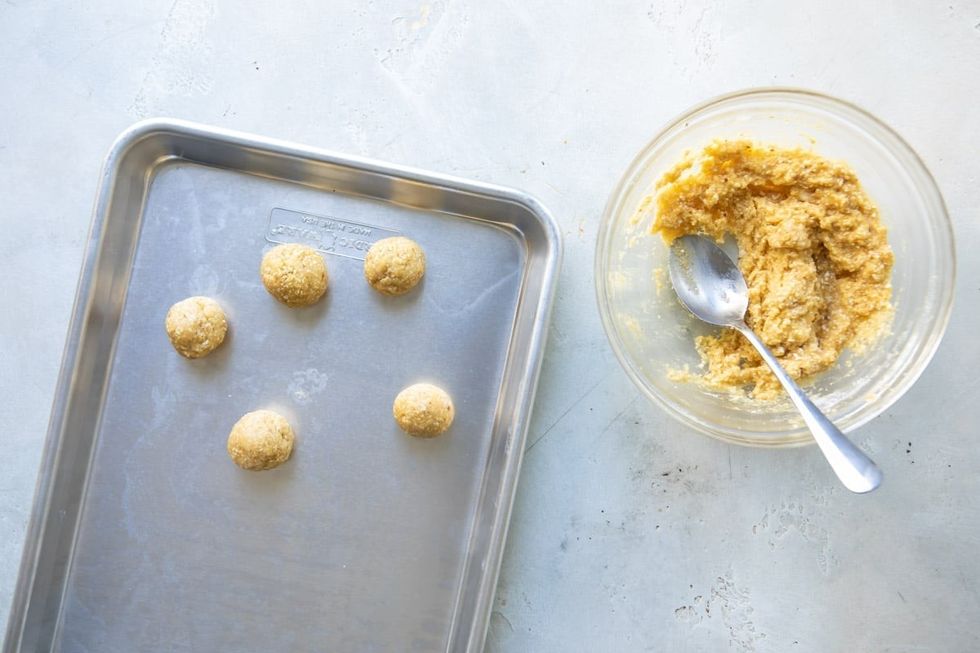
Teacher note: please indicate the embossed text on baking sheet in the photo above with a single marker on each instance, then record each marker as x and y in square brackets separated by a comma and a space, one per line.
[325, 233]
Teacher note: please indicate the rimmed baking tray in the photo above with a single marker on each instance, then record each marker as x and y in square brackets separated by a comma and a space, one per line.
[146, 537]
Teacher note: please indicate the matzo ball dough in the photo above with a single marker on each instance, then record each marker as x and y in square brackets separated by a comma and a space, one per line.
[262, 439]
[294, 274]
[196, 326]
[393, 266]
[423, 410]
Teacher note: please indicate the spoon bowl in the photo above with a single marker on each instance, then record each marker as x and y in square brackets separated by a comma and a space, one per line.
[707, 281]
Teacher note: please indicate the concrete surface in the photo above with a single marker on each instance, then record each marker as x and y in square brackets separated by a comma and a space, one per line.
[630, 533]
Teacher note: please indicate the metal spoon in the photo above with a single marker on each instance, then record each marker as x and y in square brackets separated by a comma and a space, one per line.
[712, 287]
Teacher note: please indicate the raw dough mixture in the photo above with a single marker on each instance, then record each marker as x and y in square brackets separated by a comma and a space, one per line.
[260, 440]
[196, 326]
[294, 274]
[394, 266]
[423, 410]
[811, 246]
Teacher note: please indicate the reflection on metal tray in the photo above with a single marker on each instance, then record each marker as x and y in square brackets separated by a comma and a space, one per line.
[145, 536]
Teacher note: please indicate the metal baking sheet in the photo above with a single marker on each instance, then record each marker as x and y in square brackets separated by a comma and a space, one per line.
[146, 537]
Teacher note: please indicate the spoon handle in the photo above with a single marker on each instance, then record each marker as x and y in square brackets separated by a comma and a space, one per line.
[856, 471]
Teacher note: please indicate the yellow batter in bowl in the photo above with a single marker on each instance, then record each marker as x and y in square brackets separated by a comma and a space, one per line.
[811, 246]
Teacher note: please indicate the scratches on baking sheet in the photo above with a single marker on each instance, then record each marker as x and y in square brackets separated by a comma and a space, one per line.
[466, 303]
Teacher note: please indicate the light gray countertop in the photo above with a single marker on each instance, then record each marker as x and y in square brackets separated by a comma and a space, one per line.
[630, 532]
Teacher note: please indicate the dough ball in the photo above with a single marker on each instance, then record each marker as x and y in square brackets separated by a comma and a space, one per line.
[394, 266]
[196, 326]
[423, 410]
[260, 440]
[294, 274]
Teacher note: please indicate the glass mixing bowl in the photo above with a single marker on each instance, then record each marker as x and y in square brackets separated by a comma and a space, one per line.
[652, 333]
